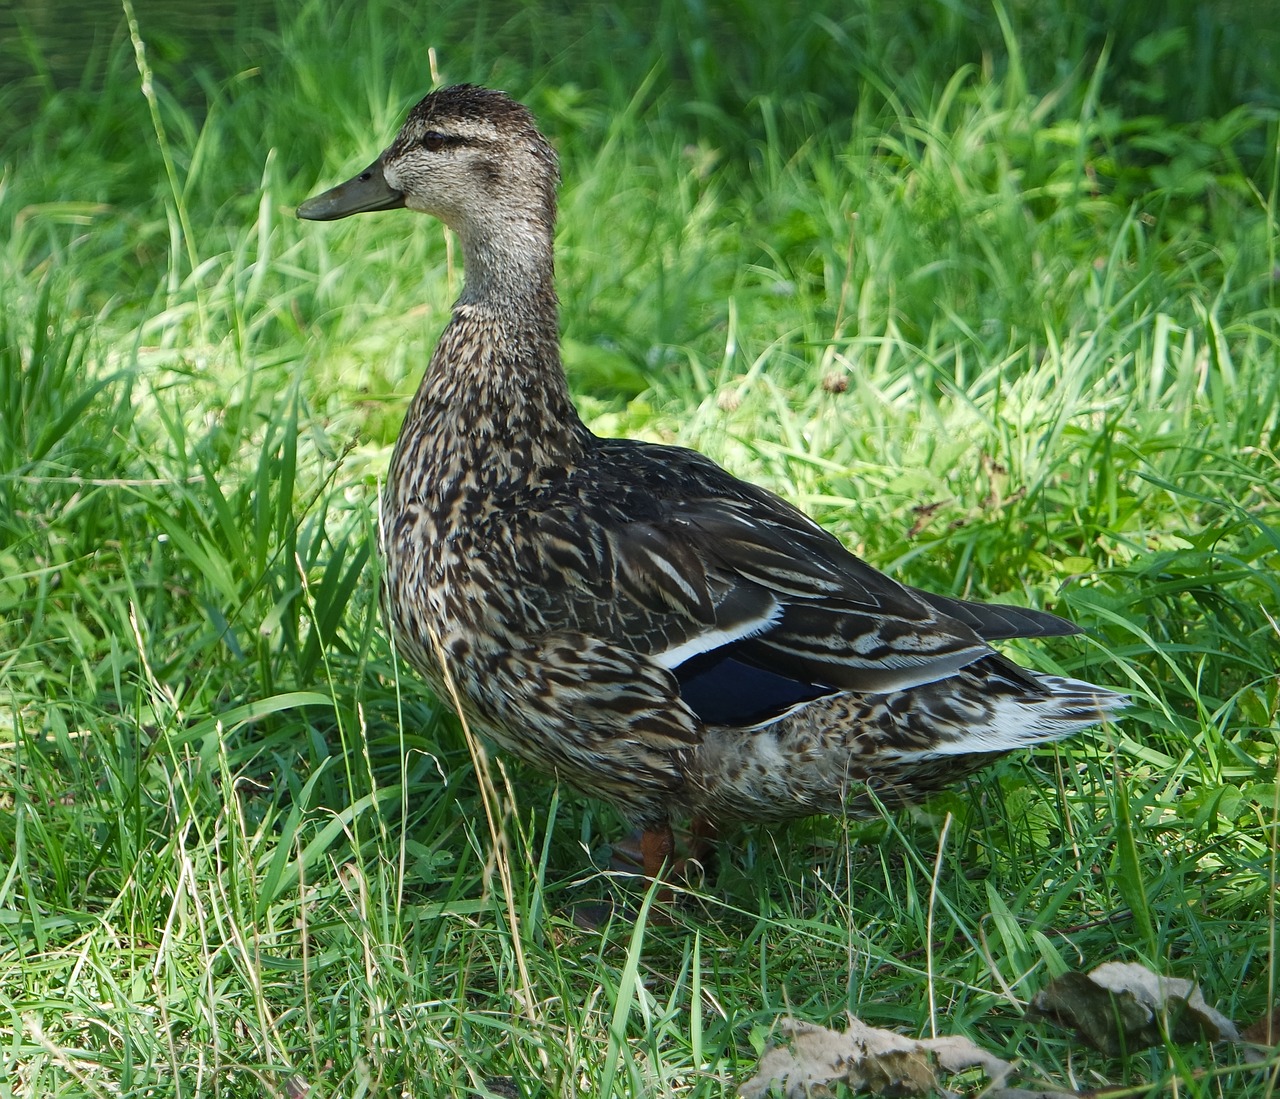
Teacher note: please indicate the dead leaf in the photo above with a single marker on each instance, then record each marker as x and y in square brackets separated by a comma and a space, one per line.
[1124, 1006]
[923, 514]
[810, 1059]
[1262, 1033]
[836, 382]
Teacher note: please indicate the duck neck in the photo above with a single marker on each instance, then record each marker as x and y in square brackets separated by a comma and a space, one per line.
[493, 413]
[510, 262]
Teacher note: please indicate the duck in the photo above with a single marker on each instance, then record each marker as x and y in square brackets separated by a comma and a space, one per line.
[628, 616]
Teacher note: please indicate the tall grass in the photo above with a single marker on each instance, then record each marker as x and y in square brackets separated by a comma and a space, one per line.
[991, 292]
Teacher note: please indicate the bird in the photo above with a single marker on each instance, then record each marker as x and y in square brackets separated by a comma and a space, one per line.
[629, 616]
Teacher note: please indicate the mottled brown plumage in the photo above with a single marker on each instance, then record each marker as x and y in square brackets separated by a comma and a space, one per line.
[629, 616]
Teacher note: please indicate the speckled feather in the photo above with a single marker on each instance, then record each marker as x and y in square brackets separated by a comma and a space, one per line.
[629, 616]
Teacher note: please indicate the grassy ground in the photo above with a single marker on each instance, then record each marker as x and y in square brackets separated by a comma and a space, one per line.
[993, 292]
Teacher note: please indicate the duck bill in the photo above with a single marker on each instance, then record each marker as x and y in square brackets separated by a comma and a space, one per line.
[359, 195]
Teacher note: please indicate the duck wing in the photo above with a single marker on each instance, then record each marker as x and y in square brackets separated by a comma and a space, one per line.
[748, 603]
[999, 621]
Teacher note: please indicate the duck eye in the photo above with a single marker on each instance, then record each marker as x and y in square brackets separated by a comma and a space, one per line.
[433, 141]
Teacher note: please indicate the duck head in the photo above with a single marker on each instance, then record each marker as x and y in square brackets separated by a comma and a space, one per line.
[470, 156]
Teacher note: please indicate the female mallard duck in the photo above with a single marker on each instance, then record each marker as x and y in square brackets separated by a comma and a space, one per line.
[629, 616]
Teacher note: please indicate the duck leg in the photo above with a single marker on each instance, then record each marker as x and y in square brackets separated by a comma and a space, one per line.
[657, 849]
[703, 834]
[655, 859]
[653, 850]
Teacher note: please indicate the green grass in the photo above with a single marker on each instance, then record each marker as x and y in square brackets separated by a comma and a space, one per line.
[991, 292]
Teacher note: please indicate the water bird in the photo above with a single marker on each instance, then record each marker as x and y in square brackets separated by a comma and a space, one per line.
[629, 616]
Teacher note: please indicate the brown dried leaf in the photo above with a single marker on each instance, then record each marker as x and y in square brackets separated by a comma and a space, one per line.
[923, 514]
[867, 1059]
[1262, 1033]
[836, 381]
[1124, 1006]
